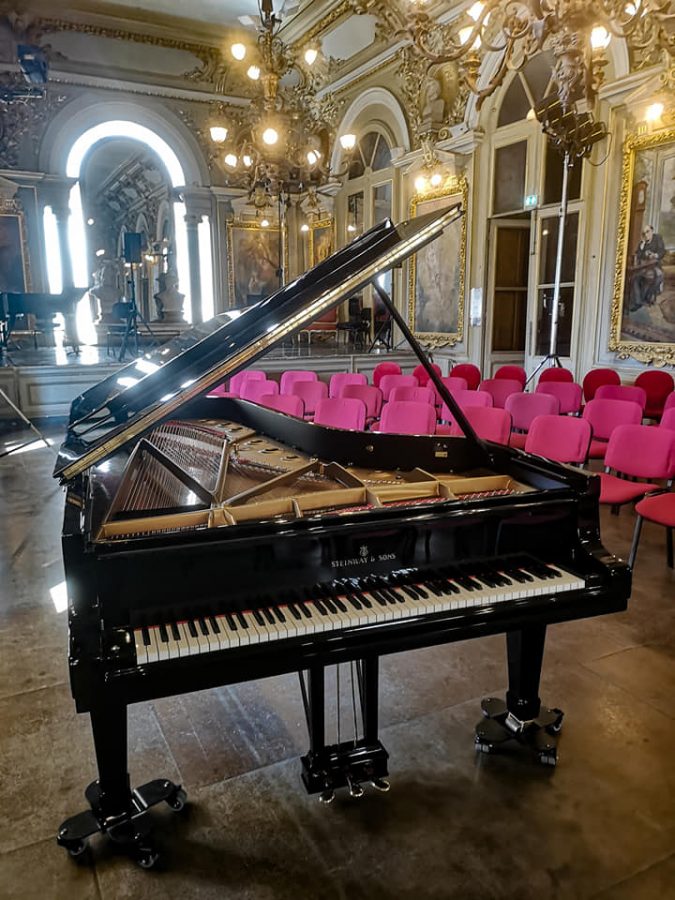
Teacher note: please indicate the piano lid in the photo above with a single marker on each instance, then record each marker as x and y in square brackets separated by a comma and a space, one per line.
[152, 389]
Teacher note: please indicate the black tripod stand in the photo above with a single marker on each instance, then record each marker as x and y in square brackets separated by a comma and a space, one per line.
[4, 358]
[133, 314]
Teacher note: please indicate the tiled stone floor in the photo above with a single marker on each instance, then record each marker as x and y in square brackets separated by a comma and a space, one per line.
[602, 825]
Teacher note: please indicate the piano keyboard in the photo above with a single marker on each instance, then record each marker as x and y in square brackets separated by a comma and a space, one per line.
[351, 602]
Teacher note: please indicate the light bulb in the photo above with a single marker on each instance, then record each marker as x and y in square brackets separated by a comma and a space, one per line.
[312, 157]
[100, 252]
[264, 223]
[465, 34]
[311, 54]
[600, 37]
[270, 136]
[253, 73]
[231, 160]
[420, 184]
[475, 11]
[218, 134]
[238, 50]
[348, 141]
[304, 227]
[436, 179]
[247, 161]
[654, 112]
[351, 228]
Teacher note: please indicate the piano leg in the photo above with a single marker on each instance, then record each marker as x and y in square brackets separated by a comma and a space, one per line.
[114, 808]
[348, 764]
[522, 717]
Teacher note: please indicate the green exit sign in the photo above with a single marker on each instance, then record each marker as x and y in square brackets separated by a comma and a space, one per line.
[530, 201]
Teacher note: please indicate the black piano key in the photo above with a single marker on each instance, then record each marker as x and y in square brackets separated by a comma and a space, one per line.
[242, 621]
[231, 622]
[279, 614]
[203, 627]
[396, 593]
[449, 586]
[146, 636]
[214, 624]
[364, 600]
[422, 593]
[340, 605]
[322, 609]
[306, 612]
[191, 628]
[163, 636]
[392, 595]
[294, 611]
[256, 615]
[430, 586]
[410, 591]
[330, 605]
[351, 599]
[175, 633]
[268, 615]
[378, 599]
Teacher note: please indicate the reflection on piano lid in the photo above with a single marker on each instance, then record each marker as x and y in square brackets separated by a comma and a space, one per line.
[141, 396]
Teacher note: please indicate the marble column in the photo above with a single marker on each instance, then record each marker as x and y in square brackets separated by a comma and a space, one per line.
[192, 224]
[62, 214]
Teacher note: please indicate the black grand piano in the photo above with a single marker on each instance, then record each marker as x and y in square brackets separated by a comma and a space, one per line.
[208, 540]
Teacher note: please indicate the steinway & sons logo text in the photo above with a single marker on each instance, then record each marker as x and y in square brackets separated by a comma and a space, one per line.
[364, 558]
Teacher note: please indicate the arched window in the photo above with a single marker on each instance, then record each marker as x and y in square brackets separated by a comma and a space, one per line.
[372, 153]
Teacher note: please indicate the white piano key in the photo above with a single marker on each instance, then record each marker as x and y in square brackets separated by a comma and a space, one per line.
[141, 652]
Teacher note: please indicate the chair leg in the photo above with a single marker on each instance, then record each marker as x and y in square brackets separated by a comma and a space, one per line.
[669, 546]
[636, 541]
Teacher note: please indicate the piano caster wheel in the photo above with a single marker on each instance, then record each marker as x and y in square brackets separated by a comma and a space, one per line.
[556, 727]
[327, 797]
[482, 747]
[549, 759]
[178, 801]
[381, 784]
[77, 849]
[147, 857]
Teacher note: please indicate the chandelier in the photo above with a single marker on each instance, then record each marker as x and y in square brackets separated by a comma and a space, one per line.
[577, 31]
[280, 143]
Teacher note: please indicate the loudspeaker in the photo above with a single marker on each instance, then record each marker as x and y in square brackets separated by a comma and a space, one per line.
[132, 246]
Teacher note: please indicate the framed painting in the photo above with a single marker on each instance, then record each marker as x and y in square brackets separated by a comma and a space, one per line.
[436, 274]
[321, 240]
[643, 303]
[14, 269]
[253, 261]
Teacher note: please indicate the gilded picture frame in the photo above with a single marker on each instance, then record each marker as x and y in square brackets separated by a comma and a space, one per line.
[643, 302]
[436, 289]
[253, 261]
[321, 240]
[15, 275]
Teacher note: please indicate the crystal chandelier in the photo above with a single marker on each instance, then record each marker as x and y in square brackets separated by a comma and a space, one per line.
[577, 31]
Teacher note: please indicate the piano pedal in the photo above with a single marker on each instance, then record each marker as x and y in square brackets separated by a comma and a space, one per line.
[381, 785]
[327, 796]
[345, 765]
[355, 789]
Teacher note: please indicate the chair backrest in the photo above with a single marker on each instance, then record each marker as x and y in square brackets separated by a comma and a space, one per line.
[422, 375]
[254, 390]
[293, 376]
[568, 393]
[341, 412]
[513, 373]
[465, 399]
[623, 392]
[340, 379]
[670, 402]
[526, 407]
[385, 368]
[642, 451]
[500, 389]
[237, 380]
[453, 383]
[606, 415]
[389, 382]
[407, 417]
[562, 438]
[489, 423]
[285, 403]
[310, 392]
[416, 394]
[596, 378]
[657, 384]
[556, 373]
[368, 394]
[468, 371]
[668, 419]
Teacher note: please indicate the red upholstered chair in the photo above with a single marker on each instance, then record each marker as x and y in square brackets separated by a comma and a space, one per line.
[341, 412]
[468, 371]
[465, 399]
[596, 378]
[638, 451]
[310, 392]
[340, 379]
[524, 408]
[658, 508]
[416, 394]
[285, 403]
[556, 373]
[668, 418]
[368, 394]
[406, 417]
[389, 382]
[325, 323]
[385, 368]
[489, 423]
[288, 379]
[500, 389]
[568, 393]
[606, 415]
[254, 390]
[422, 375]
[561, 438]
[657, 385]
[513, 373]
[623, 392]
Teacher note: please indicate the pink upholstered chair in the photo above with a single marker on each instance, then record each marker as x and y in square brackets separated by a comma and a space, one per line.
[668, 418]
[657, 384]
[416, 394]
[285, 403]
[500, 389]
[637, 451]
[512, 373]
[670, 402]
[340, 379]
[368, 394]
[453, 383]
[596, 378]
[606, 415]
[254, 390]
[465, 399]
[406, 417]
[310, 392]
[389, 382]
[341, 412]
[422, 375]
[489, 423]
[293, 376]
[524, 408]
[385, 368]
[468, 371]
[568, 393]
[561, 438]
[623, 392]
[658, 508]
[234, 387]
[556, 373]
